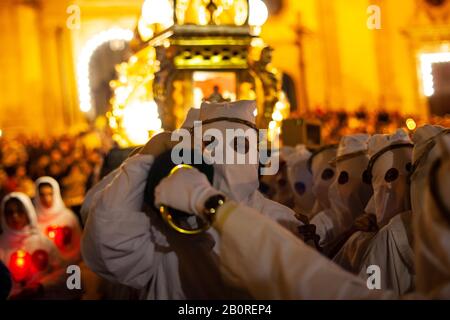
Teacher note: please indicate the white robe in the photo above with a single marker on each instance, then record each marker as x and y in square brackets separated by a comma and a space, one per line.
[432, 227]
[389, 199]
[126, 244]
[347, 201]
[273, 264]
[391, 250]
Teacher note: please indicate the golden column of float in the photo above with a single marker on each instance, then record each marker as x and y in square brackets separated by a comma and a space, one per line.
[187, 51]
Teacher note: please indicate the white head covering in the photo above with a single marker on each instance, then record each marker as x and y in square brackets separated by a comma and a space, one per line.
[422, 138]
[58, 204]
[238, 181]
[300, 179]
[242, 109]
[29, 239]
[323, 175]
[192, 115]
[348, 193]
[58, 216]
[389, 168]
[424, 154]
[432, 227]
[352, 145]
[10, 238]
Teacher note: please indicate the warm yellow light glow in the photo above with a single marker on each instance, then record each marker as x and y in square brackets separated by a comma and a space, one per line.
[257, 42]
[277, 116]
[20, 254]
[258, 13]
[241, 12]
[112, 122]
[229, 95]
[157, 11]
[139, 119]
[84, 88]
[426, 68]
[145, 30]
[198, 97]
[279, 105]
[411, 124]
[272, 125]
[133, 59]
[20, 262]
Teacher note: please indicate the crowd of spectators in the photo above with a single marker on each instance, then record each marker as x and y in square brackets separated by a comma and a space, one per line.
[74, 161]
[336, 124]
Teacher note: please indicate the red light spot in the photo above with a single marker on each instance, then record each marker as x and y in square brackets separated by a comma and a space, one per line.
[40, 259]
[20, 265]
[20, 262]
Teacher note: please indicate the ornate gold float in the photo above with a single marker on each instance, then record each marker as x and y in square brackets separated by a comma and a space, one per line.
[187, 51]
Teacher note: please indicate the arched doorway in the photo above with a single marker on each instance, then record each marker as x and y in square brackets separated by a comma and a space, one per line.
[95, 68]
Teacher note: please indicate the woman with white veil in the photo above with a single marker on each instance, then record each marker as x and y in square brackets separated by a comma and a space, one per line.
[32, 259]
[56, 221]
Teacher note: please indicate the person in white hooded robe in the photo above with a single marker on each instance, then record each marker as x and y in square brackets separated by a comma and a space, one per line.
[430, 219]
[276, 187]
[56, 221]
[393, 248]
[245, 234]
[192, 115]
[348, 194]
[323, 174]
[238, 181]
[432, 228]
[388, 172]
[153, 257]
[260, 255]
[33, 260]
[291, 185]
[112, 290]
[300, 180]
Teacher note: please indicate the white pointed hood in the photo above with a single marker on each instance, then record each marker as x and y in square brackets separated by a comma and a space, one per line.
[389, 167]
[323, 175]
[192, 115]
[300, 179]
[237, 181]
[348, 193]
[432, 229]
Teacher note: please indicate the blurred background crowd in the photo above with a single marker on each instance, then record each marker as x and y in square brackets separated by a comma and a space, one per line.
[75, 161]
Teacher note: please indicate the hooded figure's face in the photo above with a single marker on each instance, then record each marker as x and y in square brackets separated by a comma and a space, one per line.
[237, 174]
[348, 193]
[301, 182]
[390, 183]
[15, 215]
[323, 176]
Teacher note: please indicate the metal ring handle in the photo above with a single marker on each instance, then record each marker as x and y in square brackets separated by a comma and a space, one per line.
[168, 216]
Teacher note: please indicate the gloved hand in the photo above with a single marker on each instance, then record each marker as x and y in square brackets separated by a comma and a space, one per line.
[158, 144]
[185, 190]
